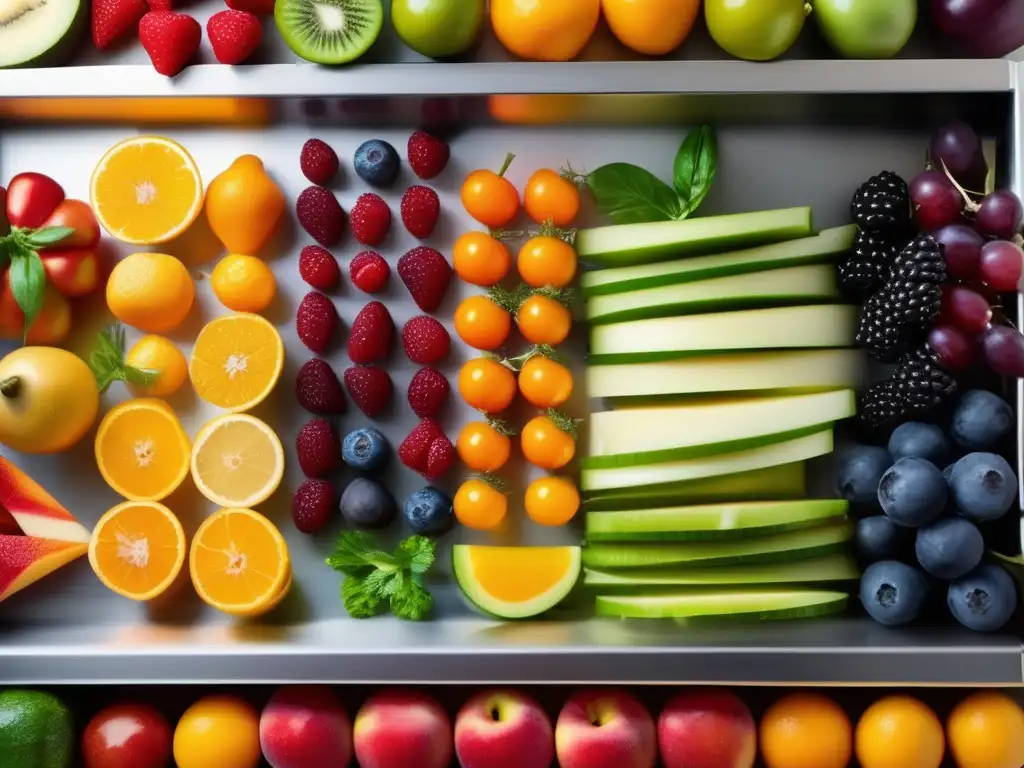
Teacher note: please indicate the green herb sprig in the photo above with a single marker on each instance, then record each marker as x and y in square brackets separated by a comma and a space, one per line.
[108, 365]
[20, 249]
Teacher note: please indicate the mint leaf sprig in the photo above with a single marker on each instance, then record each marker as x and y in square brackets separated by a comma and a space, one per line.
[108, 365]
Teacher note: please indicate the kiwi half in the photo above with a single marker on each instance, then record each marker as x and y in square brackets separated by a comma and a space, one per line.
[329, 31]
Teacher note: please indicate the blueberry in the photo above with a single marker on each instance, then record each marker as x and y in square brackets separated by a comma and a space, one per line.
[365, 449]
[912, 492]
[893, 593]
[983, 486]
[879, 538]
[860, 469]
[920, 440]
[949, 548]
[368, 504]
[981, 420]
[983, 600]
[947, 473]
[377, 162]
[429, 511]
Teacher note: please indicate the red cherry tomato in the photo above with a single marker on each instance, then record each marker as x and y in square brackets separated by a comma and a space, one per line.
[127, 736]
[5, 227]
[31, 198]
[73, 272]
[78, 216]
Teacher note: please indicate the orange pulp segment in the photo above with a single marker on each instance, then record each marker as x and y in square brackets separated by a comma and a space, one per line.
[237, 461]
[516, 582]
[236, 361]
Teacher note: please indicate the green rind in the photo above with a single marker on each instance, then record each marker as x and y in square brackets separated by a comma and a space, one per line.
[64, 45]
[711, 522]
[745, 604]
[820, 248]
[36, 730]
[622, 244]
[643, 581]
[284, 11]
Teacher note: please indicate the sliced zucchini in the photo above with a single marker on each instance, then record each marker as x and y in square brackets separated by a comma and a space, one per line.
[798, 449]
[777, 547]
[637, 436]
[712, 521]
[660, 240]
[789, 370]
[820, 248]
[826, 568]
[670, 338]
[724, 603]
[783, 482]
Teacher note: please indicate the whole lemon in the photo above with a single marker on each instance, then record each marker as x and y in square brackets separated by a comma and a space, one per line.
[244, 206]
[986, 730]
[48, 400]
[243, 283]
[899, 732]
[545, 30]
[159, 355]
[150, 291]
[218, 732]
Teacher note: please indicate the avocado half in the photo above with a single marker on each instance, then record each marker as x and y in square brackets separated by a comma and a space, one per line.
[38, 32]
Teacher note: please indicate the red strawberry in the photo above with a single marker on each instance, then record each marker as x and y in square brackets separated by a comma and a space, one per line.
[114, 20]
[370, 388]
[319, 268]
[318, 448]
[420, 209]
[370, 219]
[372, 331]
[320, 215]
[161, 5]
[428, 155]
[314, 504]
[170, 39]
[259, 7]
[316, 321]
[234, 35]
[369, 271]
[319, 162]
[440, 458]
[425, 340]
[426, 274]
[414, 449]
[317, 388]
[428, 391]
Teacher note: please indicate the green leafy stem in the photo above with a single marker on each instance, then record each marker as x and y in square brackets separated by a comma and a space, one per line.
[20, 250]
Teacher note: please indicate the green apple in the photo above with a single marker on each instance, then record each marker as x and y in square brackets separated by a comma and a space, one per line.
[757, 30]
[866, 29]
[439, 28]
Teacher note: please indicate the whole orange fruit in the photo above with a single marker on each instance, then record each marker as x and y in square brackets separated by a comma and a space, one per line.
[150, 291]
[986, 730]
[545, 30]
[653, 27]
[806, 730]
[218, 732]
[244, 206]
[899, 732]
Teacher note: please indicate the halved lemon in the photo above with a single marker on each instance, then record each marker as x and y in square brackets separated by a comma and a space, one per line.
[137, 549]
[237, 461]
[515, 582]
[146, 190]
[239, 562]
[142, 450]
[236, 361]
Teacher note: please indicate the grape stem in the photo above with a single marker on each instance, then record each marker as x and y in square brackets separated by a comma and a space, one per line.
[969, 205]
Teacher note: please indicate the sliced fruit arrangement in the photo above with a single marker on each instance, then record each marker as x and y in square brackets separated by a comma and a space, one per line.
[237, 461]
[236, 361]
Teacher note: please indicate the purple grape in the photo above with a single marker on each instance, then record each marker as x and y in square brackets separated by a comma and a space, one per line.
[936, 201]
[999, 34]
[967, 310]
[1000, 215]
[961, 247]
[955, 144]
[963, 18]
[1001, 265]
[1004, 350]
[953, 347]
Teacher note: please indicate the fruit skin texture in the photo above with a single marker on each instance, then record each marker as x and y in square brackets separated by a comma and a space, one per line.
[244, 206]
[72, 272]
[547, 260]
[366, 449]
[427, 450]
[893, 593]
[753, 29]
[545, 383]
[428, 512]
[306, 726]
[545, 442]
[317, 388]
[486, 385]
[912, 492]
[319, 268]
[983, 600]
[421, 208]
[806, 730]
[707, 729]
[949, 548]
[401, 729]
[370, 219]
[487, 196]
[480, 259]
[869, 29]
[548, 198]
[157, 353]
[52, 324]
[552, 500]
[427, 154]
[425, 340]
[548, 30]
[605, 729]
[320, 215]
[127, 735]
[170, 39]
[36, 730]
[428, 392]
[370, 388]
[372, 333]
[316, 321]
[234, 35]
[369, 272]
[652, 27]
[481, 323]
[479, 505]
[981, 420]
[483, 446]
[218, 732]
[319, 162]
[243, 283]
[899, 732]
[983, 485]
[376, 163]
[317, 448]
[878, 538]
[48, 400]
[112, 21]
[503, 729]
[314, 504]
[920, 440]
[439, 28]
[426, 275]
[367, 504]
[150, 291]
[77, 215]
[544, 320]
[986, 730]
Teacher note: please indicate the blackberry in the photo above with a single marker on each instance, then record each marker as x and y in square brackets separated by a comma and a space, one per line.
[881, 409]
[923, 383]
[921, 261]
[879, 331]
[915, 306]
[882, 204]
[866, 267]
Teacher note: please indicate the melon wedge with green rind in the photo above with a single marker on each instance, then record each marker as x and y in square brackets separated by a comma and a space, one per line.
[638, 581]
[37, 33]
[621, 244]
[636, 436]
[723, 603]
[820, 248]
[779, 547]
[707, 522]
[515, 582]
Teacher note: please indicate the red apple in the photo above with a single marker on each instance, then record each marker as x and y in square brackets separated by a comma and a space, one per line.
[306, 726]
[503, 729]
[402, 729]
[73, 273]
[127, 736]
[707, 728]
[605, 728]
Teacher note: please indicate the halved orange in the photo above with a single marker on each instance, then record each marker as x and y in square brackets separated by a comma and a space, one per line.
[142, 450]
[515, 582]
[236, 361]
[237, 461]
[239, 562]
[137, 549]
[146, 190]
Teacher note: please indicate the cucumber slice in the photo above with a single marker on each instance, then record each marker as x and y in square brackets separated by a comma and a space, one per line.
[784, 482]
[819, 248]
[778, 547]
[712, 521]
[793, 371]
[798, 449]
[669, 338]
[826, 568]
[660, 240]
[774, 288]
[722, 603]
[636, 436]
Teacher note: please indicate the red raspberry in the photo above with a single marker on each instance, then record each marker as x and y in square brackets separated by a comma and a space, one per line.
[319, 268]
[369, 272]
[428, 391]
[372, 332]
[425, 340]
[319, 161]
[440, 458]
[316, 321]
[320, 214]
[369, 387]
[370, 219]
[415, 448]
[317, 388]
[314, 504]
[318, 448]
[426, 274]
[420, 211]
[428, 155]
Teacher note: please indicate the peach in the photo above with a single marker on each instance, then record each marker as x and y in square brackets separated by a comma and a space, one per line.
[503, 729]
[306, 726]
[605, 728]
[707, 728]
[403, 729]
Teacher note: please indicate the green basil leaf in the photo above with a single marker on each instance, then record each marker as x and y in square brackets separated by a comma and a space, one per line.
[49, 236]
[628, 194]
[695, 167]
[28, 280]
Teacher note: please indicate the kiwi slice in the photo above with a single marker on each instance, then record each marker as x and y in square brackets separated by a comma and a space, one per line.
[329, 31]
